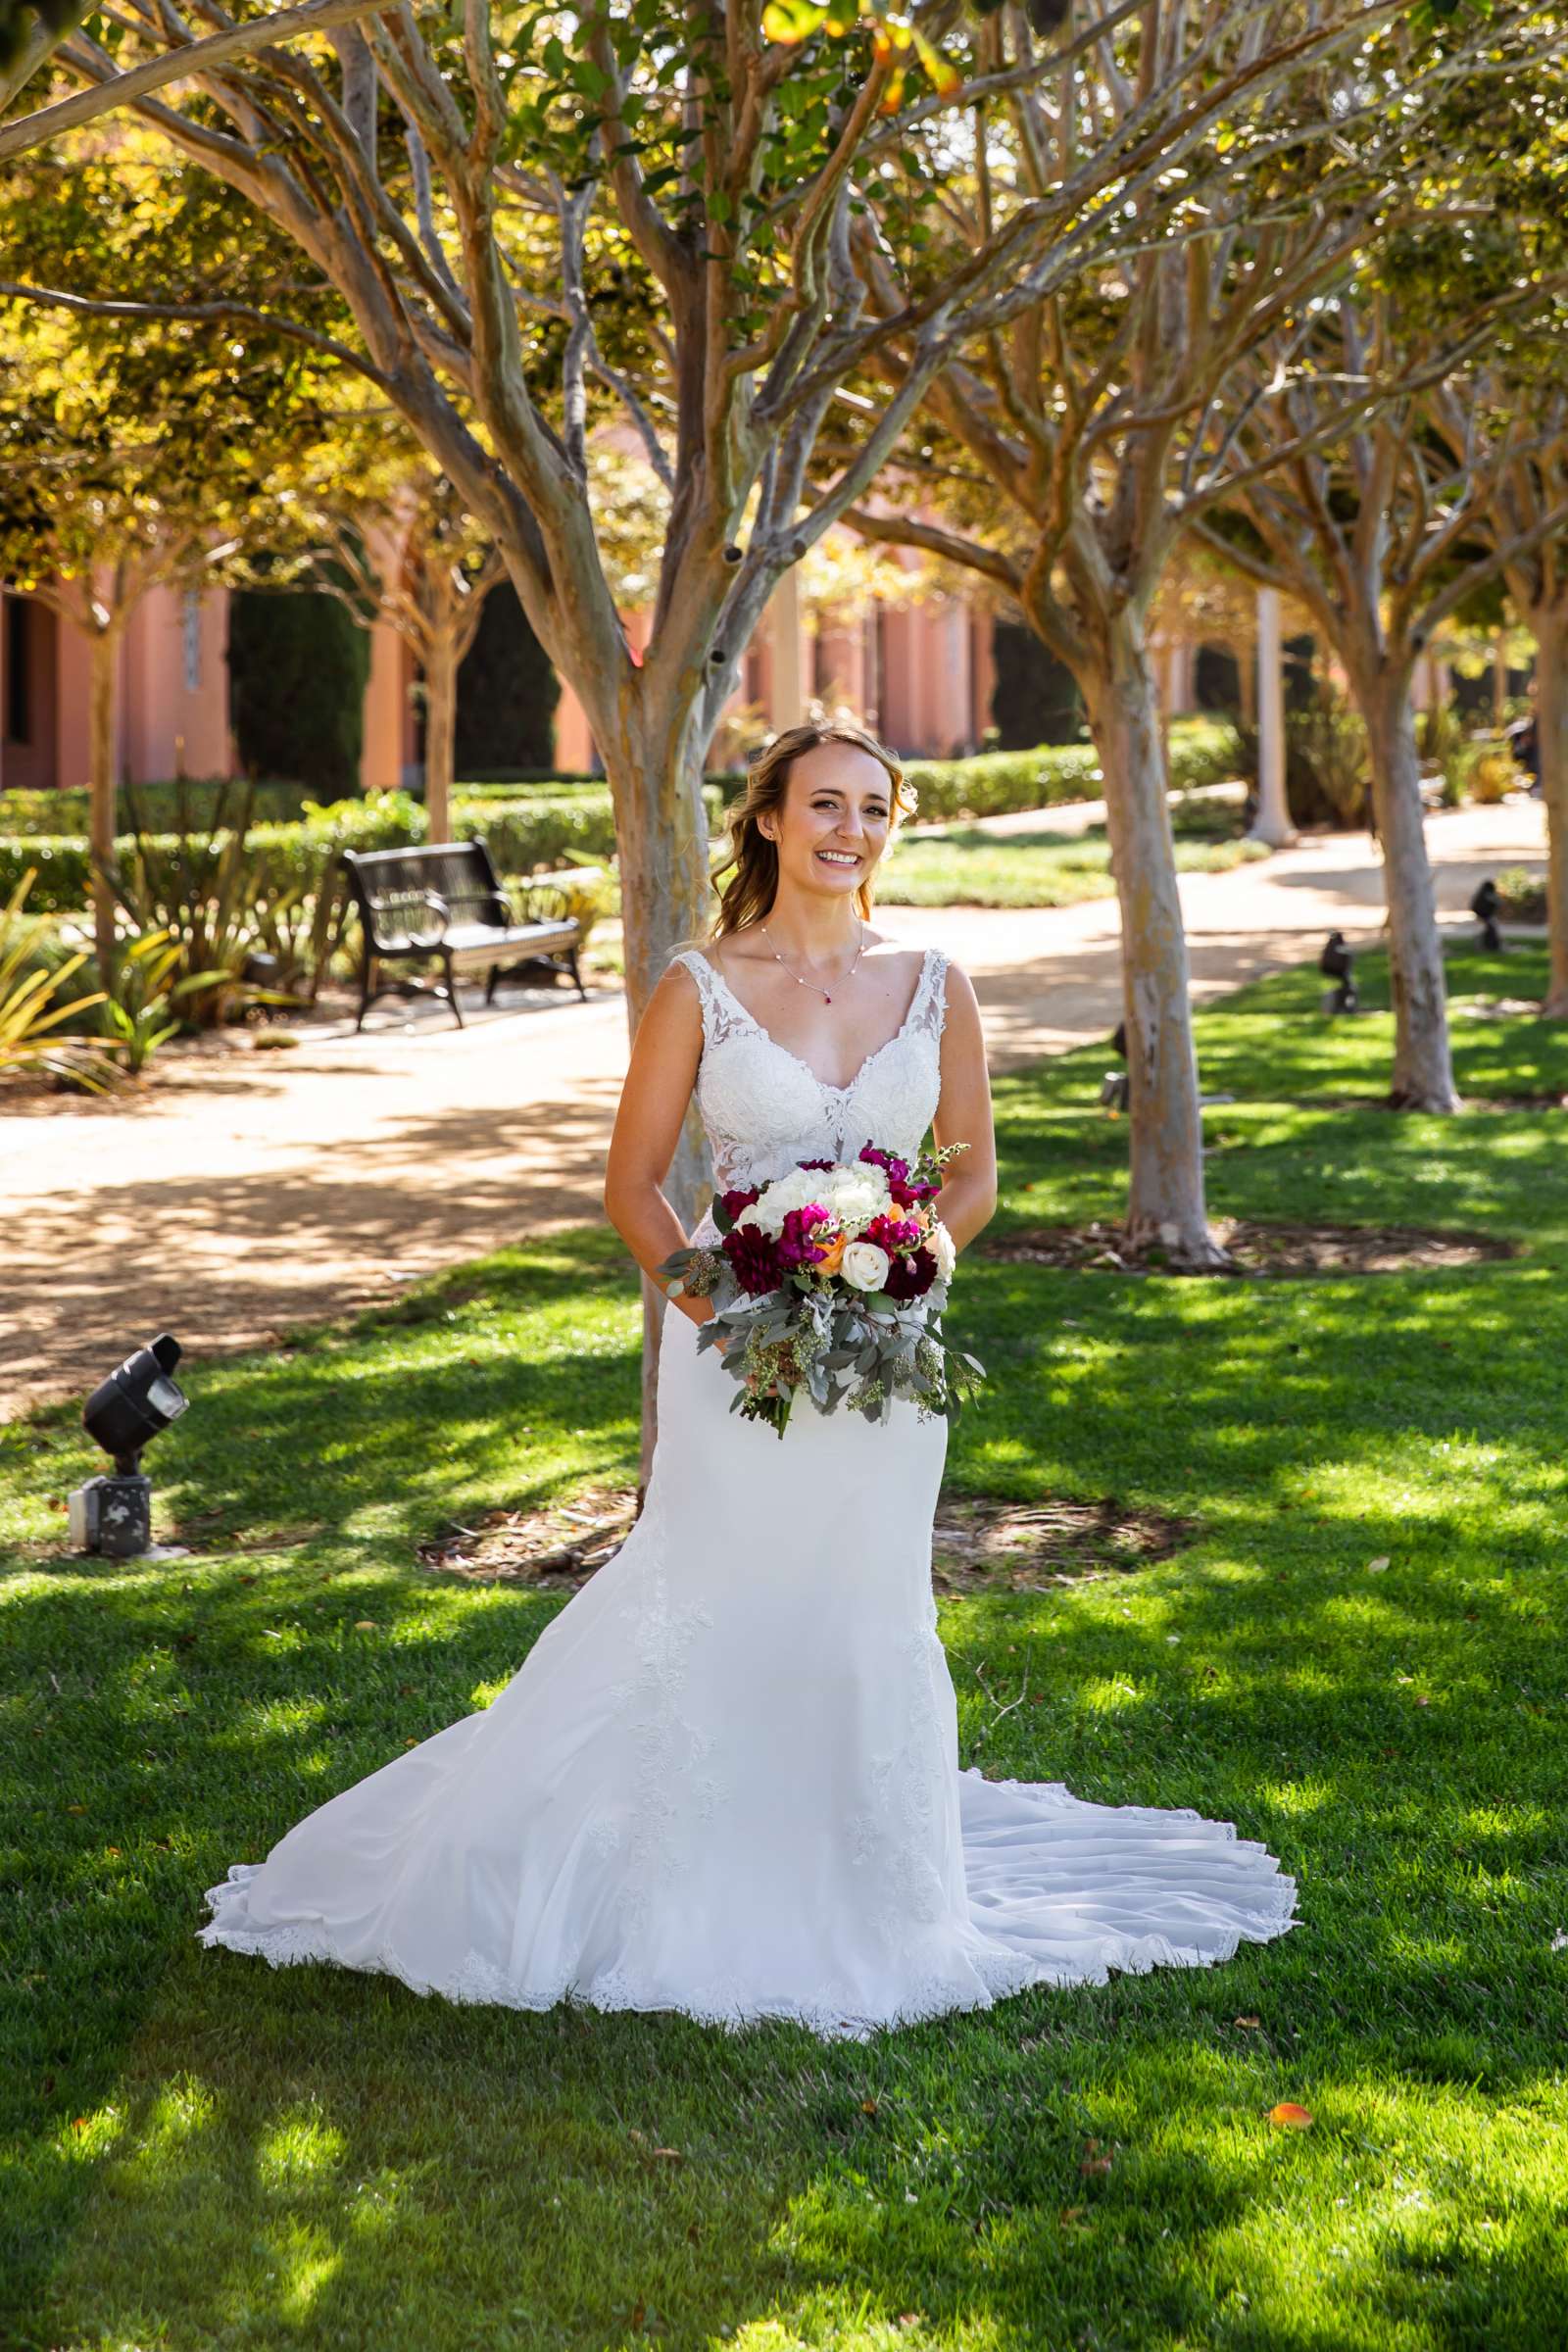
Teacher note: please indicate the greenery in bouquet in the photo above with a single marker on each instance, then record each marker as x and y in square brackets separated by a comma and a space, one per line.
[833, 1278]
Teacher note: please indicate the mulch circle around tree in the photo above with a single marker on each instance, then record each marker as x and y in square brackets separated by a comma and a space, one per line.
[556, 1547]
[979, 1542]
[1555, 1100]
[1259, 1249]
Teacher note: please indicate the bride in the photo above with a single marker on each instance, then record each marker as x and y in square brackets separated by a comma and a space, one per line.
[725, 1780]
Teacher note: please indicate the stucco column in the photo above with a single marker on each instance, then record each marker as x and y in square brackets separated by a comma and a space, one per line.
[787, 702]
[1272, 824]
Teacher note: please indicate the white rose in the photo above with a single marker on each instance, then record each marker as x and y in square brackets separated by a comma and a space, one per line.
[865, 1267]
[941, 1245]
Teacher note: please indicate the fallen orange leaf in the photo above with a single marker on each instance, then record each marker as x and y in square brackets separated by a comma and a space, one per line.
[1288, 2113]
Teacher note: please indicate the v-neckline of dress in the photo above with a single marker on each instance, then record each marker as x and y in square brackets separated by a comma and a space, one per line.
[800, 1059]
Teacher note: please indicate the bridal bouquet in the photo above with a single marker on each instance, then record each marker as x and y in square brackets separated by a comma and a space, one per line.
[833, 1279]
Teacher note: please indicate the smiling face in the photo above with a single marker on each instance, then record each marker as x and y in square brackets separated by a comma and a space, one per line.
[834, 822]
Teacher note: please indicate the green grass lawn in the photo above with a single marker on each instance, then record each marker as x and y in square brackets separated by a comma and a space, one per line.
[967, 866]
[964, 865]
[1356, 1659]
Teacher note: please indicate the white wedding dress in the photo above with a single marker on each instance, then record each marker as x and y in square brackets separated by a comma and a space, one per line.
[726, 1779]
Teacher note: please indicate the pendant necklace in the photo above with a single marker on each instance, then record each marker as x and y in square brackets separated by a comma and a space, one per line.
[796, 977]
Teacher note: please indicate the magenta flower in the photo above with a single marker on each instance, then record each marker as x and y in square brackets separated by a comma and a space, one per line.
[896, 1170]
[816, 1164]
[893, 1233]
[796, 1246]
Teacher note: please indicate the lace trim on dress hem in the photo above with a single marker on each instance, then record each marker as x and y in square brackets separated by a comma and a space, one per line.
[994, 1974]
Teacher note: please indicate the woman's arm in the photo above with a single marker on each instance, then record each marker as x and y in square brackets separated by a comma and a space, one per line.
[658, 1088]
[967, 1200]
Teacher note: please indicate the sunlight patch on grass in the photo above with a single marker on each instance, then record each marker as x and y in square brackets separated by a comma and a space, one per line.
[298, 2148]
[87, 2138]
[302, 2261]
[451, 2169]
[184, 2107]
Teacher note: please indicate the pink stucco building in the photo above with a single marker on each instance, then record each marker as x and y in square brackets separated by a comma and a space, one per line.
[919, 673]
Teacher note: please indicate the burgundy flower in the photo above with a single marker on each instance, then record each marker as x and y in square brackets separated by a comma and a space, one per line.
[754, 1258]
[742, 1198]
[896, 1170]
[816, 1164]
[910, 1277]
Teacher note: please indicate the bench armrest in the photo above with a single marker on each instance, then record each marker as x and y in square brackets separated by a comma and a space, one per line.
[397, 912]
[543, 901]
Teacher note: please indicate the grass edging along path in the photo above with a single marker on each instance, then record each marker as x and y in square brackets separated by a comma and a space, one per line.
[1353, 1659]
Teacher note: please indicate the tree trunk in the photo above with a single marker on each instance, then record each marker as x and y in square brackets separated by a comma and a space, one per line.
[102, 760]
[1422, 1070]
[1550, 627]
[655, 768]
[1499, 682]
[440, 729]
[1166, 1207]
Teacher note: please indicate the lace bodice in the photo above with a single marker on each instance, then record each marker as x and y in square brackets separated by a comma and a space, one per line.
[764, 1108]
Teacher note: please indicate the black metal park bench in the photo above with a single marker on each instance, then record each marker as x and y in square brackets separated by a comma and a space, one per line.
[444, 901]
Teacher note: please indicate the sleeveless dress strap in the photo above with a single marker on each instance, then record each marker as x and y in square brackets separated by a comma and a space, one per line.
[716, 1017]
[929, 1011]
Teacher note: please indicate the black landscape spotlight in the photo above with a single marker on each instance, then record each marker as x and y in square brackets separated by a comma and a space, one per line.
[1484, 907]
[113, 1514]
[1116, 1087]
[1337, 964]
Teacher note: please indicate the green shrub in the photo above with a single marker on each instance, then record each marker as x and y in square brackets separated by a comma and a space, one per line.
[574, 824]
[1521, 895]
[507, 691]
[1328, 774]
[1203, 751]
[1489, 772]
[1035, 698]
[298, 662]
[206, 799]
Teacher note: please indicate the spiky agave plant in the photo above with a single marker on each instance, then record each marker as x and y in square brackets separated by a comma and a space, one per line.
[32, 1032]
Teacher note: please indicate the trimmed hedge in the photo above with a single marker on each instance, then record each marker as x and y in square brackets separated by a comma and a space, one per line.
[575, 824]
[1203, 751]
[524, 835]
[64, 812]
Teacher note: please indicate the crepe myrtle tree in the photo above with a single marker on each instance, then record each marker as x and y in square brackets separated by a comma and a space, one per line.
[1383, 533]
[1064, 457]
[130, 464]
[468, 180]
[400, 546]
[1527, 525]
[32, 32]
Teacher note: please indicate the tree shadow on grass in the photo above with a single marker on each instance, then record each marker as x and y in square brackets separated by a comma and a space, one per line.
[206, 2151]
[315, 2158]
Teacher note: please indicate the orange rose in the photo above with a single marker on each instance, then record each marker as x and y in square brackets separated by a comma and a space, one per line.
[831, 1263]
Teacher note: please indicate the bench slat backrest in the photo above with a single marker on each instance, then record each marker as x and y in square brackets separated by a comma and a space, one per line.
[392, 883]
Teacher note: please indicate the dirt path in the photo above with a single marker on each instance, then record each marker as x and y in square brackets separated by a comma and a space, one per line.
[249, 1191]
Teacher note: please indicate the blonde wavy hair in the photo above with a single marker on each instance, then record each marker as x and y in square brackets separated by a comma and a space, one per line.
[749, 896]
